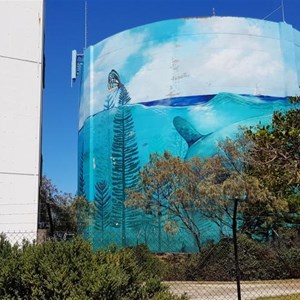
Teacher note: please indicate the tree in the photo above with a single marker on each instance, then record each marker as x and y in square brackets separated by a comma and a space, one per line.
[168, 186]
[225, 179]
[125, 161]
[62, 212]
[275, 151]
[46, 193]
[81, 213]
[225, 187]
[275, 159]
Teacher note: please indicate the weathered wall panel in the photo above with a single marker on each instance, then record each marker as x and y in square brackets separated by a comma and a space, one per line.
[21, 77]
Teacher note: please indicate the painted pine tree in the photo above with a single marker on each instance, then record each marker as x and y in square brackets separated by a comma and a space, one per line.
[102, 204]
[109, 102]
[81, 183]
[125, 164]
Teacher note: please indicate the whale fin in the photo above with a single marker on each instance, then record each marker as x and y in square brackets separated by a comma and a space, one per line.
[187, 131]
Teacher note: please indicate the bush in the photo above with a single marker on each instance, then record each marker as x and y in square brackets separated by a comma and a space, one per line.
[72, 270]
[215, 262]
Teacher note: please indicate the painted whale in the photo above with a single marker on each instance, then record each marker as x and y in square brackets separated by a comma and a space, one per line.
[205, 145]
[193, 138]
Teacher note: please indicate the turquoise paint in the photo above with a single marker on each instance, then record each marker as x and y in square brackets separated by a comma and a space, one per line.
[206, 76]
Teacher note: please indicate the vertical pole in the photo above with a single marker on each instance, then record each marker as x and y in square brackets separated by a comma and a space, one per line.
[236, 254]
[85, 24]
[282, 10]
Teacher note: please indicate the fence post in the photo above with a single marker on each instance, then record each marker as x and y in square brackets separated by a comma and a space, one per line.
[235, 244]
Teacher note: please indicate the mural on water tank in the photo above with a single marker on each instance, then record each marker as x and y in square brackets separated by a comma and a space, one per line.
[178, 85]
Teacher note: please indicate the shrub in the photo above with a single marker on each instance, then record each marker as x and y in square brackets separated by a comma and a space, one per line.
[72, 270]
[215, 262]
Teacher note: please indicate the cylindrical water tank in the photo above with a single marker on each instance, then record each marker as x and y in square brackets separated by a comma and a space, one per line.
[154, 88]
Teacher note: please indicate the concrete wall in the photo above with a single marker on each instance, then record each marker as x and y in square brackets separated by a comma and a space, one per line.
[21, 79]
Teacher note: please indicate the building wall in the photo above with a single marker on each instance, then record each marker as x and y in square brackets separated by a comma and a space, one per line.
[205, 76]
[21, 77]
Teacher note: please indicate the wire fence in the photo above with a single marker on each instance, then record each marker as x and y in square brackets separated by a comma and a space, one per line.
[20, 237]
[268, 270]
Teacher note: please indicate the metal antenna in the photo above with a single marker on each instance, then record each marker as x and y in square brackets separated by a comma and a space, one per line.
[282, 10]
[77, 59]
[85, 24]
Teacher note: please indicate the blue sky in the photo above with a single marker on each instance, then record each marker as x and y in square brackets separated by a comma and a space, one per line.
[64, 31]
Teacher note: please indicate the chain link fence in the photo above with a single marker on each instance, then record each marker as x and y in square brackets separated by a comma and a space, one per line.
[268, 271]
[19, 237]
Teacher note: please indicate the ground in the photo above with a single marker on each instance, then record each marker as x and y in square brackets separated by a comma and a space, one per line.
[227, 291]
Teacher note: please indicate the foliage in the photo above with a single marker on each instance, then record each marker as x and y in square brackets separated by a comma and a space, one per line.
[71, 270]
[258, 261]
[64, 213]
[168, 185]
[82, 212]
[225, 181]
[275, 159]
[168, 296]
[125, 161]
[275, 151]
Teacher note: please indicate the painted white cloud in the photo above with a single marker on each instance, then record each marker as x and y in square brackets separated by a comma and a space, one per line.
[210, 55]
[154, 80]
[214, 62]
[112, 55]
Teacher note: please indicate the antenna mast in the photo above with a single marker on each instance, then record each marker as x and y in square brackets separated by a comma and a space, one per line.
[85, 24]
[282, 10]
[77, 59]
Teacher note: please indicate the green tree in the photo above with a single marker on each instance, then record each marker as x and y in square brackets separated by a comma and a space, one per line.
[227, 189]
[275, 159]
[226, 183]
[168, 186]
[62, 212]
[275, 152]
[125, 161]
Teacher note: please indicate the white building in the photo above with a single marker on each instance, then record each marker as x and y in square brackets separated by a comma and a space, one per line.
[21, 86]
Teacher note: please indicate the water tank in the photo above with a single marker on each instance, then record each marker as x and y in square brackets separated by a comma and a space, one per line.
[209, 75]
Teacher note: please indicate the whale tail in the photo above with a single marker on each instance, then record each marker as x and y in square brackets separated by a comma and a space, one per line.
[188, 131]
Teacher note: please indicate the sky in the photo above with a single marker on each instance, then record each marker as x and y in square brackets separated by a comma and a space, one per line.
[64, 31]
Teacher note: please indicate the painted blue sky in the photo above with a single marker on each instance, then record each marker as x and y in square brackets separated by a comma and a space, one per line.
[195, 56]
[64, 31]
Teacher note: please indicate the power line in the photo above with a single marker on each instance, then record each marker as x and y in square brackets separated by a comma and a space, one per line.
[281, 6]
[267, 16]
